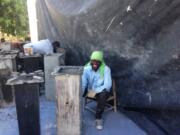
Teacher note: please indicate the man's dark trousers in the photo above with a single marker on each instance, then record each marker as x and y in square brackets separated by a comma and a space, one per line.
[101, 103]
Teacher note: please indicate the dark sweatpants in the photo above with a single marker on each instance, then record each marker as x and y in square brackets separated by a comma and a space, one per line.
[101, 103]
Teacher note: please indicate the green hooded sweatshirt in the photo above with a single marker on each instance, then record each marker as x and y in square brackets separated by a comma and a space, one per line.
[98, 55]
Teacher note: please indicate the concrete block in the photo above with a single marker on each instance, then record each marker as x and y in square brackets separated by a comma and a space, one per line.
[1, 96]
[8, 62]
[5, 46]
[6, 92]
[50, 62]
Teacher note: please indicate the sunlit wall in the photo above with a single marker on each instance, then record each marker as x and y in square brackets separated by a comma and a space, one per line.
[31, 5]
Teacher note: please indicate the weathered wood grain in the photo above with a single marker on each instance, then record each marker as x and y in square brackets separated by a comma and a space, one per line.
[68, 88]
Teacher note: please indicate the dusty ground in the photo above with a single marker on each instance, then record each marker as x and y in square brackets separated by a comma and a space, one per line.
[114, 123]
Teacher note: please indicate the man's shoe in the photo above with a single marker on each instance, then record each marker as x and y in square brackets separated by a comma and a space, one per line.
[99, 124]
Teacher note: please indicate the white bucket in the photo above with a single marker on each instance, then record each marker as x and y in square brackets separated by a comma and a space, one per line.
[28, 50]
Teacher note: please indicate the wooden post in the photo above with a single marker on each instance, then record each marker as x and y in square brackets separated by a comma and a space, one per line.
[69, 110]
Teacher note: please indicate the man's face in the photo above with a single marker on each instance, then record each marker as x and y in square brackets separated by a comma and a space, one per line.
[95, 64]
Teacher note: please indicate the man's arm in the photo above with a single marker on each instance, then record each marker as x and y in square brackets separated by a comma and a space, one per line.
[107, 81]
[84, 80]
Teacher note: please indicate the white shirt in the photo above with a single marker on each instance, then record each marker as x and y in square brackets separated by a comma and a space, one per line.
[41, 47]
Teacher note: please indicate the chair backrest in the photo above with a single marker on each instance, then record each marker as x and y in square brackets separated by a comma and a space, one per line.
[114, 87]
[112, 97]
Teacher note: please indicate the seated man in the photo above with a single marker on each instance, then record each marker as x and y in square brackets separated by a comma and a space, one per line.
[96, 82]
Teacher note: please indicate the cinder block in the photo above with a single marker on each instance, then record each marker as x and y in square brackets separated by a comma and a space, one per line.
[8, 62]
[50, 62]
[6, 46]
[1, 96]
[7, 65]
[6, 92]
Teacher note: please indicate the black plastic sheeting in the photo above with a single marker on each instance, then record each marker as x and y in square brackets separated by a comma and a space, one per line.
[155, 122]
[140, 40]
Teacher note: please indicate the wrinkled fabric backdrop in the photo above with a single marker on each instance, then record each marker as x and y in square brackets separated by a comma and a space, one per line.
[140, 40]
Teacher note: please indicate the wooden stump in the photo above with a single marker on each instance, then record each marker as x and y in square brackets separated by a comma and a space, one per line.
[68, 88]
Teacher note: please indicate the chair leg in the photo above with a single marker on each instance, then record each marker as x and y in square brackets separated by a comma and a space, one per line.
[108, 107]
[114, 93]
[89, 109]
[84, 104]
[86, 107]
[115, 105]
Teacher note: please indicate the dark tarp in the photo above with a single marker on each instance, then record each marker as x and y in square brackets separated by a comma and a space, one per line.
[140, 40]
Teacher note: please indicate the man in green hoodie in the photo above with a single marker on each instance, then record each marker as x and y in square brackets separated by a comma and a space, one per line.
[96, 80]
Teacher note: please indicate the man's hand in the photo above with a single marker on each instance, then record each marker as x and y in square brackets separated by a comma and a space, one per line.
[91, 94]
